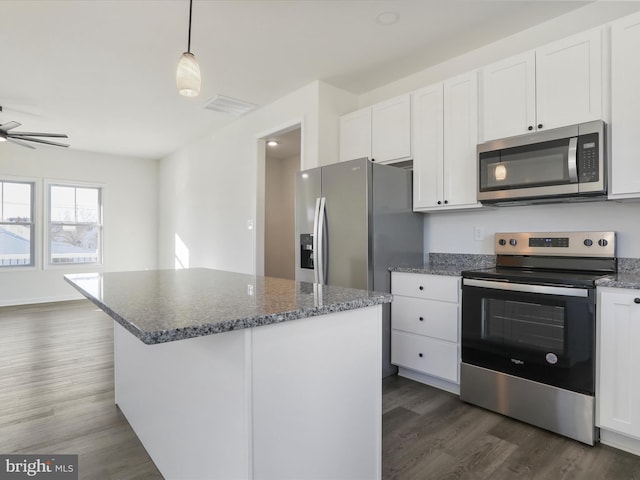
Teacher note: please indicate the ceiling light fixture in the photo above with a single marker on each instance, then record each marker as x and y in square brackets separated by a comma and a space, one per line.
[387, 18]
[272, 143]
[188, 77]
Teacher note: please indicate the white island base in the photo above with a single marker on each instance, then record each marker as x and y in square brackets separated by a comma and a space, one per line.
[293, 400]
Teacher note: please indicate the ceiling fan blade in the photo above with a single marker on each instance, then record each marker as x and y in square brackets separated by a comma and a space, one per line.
[19, 142]
[37, 140]
[9, 125]
[36, 134]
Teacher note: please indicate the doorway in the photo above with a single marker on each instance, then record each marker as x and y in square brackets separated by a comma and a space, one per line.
[282, 162]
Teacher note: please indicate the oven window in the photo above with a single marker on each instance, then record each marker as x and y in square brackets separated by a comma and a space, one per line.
[523, 324]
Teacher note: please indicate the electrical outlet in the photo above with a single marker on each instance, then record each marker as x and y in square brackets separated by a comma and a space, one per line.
[249, 224]
[478, 234]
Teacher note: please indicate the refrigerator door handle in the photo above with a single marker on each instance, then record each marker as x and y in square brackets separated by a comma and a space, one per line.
[321, 240]
[315, 241]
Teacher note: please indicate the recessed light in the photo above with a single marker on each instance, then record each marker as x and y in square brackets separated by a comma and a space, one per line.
[387, 18]
[272, 143]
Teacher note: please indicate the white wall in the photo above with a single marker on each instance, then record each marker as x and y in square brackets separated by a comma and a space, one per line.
[129, 222]
[454, 232]
[211, 188]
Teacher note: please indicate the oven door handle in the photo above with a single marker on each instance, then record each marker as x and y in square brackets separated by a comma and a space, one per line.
[520, 287]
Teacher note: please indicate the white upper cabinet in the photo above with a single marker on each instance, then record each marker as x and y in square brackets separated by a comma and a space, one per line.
[625, 107]
[556, 85]
[381, 132]
[569, 80]
[445, 131]
[508, 97]
[355, 135]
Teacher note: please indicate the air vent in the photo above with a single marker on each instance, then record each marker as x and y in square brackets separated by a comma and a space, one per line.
[229, 105]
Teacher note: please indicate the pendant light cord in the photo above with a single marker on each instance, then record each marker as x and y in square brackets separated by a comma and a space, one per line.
[189, 41]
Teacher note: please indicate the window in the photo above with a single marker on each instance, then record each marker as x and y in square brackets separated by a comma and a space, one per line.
[16, 224]
[75, 224]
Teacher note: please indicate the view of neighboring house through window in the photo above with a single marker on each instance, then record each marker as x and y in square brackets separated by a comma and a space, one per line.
[16, 224]
[75, 224]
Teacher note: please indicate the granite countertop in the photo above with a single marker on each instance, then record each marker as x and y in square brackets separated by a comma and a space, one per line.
[628, 275]
[452, 264]
[160, 306]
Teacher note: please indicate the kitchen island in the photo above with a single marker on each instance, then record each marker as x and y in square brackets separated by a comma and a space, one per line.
[231, 376]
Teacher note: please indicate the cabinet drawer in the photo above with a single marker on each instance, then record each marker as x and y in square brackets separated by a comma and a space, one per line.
[426, 355]
[425, 317]
[434, 287]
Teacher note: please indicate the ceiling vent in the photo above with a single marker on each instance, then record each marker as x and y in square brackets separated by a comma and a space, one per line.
[229, 105]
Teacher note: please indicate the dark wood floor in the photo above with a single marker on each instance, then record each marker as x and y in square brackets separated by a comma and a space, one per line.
[56, 396]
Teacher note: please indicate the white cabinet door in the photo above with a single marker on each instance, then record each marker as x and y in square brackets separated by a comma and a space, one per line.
[508, 97]
[625, 107]
[428, 123]
[569, 81]
[618, 392]
[355, 135]
[460, 140]
[445, 122]
[391, 130]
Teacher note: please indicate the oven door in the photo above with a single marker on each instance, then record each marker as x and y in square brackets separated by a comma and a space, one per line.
[539, 332]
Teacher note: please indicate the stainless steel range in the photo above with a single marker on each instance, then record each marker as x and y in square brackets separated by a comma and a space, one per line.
[528, 329]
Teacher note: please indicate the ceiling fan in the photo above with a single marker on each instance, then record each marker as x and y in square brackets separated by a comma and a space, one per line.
[21, 138]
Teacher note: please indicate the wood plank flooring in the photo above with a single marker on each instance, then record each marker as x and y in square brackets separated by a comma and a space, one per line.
[56, 396]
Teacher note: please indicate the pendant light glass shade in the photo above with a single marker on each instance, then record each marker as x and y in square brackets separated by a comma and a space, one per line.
[188, 75]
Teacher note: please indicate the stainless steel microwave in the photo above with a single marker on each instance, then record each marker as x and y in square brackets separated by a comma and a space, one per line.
[565, 163]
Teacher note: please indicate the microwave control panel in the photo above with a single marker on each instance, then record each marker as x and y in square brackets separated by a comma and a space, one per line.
[588, 158]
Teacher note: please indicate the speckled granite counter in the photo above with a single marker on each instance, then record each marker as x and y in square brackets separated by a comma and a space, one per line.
[628, 275]
[160, 306]
[452, 264]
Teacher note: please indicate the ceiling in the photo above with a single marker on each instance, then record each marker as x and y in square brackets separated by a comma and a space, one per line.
[104, 71]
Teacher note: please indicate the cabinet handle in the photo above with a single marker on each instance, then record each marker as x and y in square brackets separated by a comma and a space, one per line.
[636, 300]
[439, 202]
[420, 355]
[373, 159]
[539, 125]
[422, 318]
[420, 287]
[530, 127]
[446, 201]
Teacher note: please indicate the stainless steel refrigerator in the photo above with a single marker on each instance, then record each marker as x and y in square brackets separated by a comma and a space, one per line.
[354, 220]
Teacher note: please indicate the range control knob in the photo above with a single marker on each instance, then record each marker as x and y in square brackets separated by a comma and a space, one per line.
[588, 242]
[513, 242]
[602, 242]
[502, 242]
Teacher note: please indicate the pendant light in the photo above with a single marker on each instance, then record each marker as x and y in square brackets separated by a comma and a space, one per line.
[188, 73]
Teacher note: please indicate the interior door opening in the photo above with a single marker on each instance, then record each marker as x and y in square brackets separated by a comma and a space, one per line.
[282, 162]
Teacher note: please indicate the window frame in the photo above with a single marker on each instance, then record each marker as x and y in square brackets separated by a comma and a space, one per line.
[33, 224]
[48, 223]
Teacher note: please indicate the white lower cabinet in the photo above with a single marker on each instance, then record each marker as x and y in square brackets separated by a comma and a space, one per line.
[617, 381]
[425, 328]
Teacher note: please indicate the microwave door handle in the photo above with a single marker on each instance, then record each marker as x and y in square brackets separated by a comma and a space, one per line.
[572, 160]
